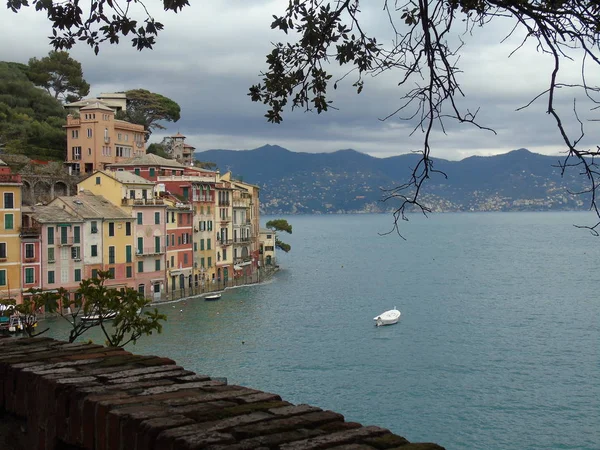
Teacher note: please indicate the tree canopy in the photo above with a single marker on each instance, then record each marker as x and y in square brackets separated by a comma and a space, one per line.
[60, 75]
[148, 109]
[280, 225]
[31, 120]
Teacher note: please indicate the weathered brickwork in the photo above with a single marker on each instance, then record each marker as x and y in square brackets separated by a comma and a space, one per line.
[91, 397]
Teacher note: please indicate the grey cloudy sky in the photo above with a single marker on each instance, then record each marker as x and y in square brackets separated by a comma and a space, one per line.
[210, 54]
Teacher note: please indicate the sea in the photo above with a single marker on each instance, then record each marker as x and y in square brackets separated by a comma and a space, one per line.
[498, 345]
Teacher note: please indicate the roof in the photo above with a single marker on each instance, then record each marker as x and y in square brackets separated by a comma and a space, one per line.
[96, 105]
[266, 230]
[125, 177]
[178, 135]
[90, 206]
[188, 146]
[54, 214]
[149, 159]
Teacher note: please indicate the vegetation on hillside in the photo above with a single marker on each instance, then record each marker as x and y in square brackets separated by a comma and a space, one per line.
[60, 75]
[31, 120]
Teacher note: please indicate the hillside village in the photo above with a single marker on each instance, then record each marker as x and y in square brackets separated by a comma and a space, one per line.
[158, 225]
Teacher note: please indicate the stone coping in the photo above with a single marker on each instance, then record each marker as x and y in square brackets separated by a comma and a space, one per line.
[87, 396]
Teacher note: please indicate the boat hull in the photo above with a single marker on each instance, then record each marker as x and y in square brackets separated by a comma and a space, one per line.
[387, 318]
[212, 298]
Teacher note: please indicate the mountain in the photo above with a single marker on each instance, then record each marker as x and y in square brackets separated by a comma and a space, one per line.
[347, 181]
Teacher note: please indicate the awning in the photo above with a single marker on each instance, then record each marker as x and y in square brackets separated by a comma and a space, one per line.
[236, 267]
[245, 263]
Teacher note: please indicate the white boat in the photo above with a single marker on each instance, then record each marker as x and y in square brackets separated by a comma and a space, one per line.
[387, 318]
[211, 297]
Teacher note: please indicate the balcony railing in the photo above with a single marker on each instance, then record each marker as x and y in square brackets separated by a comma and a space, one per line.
[225, 241]
[64, 241]
[224, 203]
[225, 219]
[241, 203]
[142, 202]
[147, 251]
[244, 240]
[30, 231]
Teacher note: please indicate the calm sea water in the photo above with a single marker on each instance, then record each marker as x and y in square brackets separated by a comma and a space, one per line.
[498, 346]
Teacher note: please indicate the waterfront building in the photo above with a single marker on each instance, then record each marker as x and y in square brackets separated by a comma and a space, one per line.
[180, 257]
[10, 223]
[139, 198]
[224, 228]
[96, 139]
[61, 240]
[267, 247]
[107, 237]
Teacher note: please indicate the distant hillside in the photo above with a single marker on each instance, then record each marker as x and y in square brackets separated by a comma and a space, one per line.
[348, 181]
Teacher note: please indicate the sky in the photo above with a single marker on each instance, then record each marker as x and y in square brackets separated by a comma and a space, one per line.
[208, 56]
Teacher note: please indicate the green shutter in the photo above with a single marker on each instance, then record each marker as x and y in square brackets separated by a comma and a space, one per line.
[128, 253]
[2, 277]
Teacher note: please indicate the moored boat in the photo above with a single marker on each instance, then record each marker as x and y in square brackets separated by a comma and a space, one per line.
[213, 297]
[95, 317]
[387, 318]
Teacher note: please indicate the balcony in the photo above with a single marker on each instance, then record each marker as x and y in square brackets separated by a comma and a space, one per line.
[224, 203]
[244, 240]
[65, 241]
[142, 202]
[30, 260]
[225, 219]
[149, 251]
[223, 242]
[30, 232]
[107, 139]
[241, 203]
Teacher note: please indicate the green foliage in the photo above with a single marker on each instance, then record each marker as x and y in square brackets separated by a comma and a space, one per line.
[279, 225]
[147, 108]
[205, 165]
[31, 304]
[119, 314]
[158, 149]
[103, 20]
[31, 120]
[60, 75]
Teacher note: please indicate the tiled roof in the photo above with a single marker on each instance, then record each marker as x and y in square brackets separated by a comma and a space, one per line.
[54, 214]
[149, 159]
[178, 135]
[90, 206]
[96, 105]
[126, 177]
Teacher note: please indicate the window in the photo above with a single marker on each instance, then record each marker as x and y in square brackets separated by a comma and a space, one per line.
[89, 132]
[128, 272]
[172, 261]
[76, 253]
[98, 180]
[201, 244]
[76, 153]
[2, 277]
[172, 240]
[152, 172]
[111, 254]
[77, 274]
[3, 250]
[140, 245]
[210, 225]
[94, 227]
[94, 273]
[137, 170]
[8, 222]
[140, 217]
[202, 262]
[105, 134]
[29, 248]
[208, 244]
[185, 258]
[157, 244]
[172, 217]
[157, 264]
[9, 200]
[50, 235]
[76, 235]
[140, 266]
[127, 228]
[209, 261]
[63, 235]
[157, 218]
[75, 134]
[269, 236]
[51, 277]
[51, 254]
[128, 252]
[195, 246]
[94, 250]
[111, 229]
[111, 273]
[224, 254]
[29, 275]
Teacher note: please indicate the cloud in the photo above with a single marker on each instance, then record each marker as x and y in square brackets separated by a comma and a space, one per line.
[212, 52]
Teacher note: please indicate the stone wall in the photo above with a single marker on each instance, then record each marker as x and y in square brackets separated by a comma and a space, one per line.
[55, 395]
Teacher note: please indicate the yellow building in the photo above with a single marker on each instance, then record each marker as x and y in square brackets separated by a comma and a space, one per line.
[10, 226]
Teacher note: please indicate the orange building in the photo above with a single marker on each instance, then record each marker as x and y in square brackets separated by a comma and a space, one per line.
[96, 139]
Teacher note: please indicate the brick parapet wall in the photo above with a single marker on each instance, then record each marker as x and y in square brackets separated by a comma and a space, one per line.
[100, 398]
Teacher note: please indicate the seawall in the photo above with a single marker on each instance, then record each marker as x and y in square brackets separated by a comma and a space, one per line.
[58, 396]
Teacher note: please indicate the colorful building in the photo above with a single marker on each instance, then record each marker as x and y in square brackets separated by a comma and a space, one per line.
[150, 167]
[10, 242]
[180, 256]
[139, 198]
[96, 139]
[267, 247]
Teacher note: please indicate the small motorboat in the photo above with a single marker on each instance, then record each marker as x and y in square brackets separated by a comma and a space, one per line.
[387, 318]
[213, 297]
